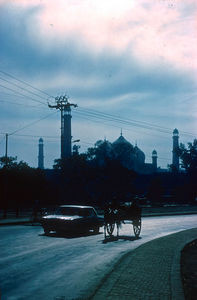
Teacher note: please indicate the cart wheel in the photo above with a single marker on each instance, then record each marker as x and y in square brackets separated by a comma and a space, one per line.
[46, 231]
[137, 227]
[110, 228]
[96, 230]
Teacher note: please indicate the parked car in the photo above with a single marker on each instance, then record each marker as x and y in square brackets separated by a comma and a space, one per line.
[72, 218]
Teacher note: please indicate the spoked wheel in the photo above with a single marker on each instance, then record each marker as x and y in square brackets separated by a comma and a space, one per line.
[110, 228]
[137, 224]
[96, 230]
[46, 231]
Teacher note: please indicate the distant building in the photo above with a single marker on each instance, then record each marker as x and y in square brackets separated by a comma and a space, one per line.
[132, 157]
[41, 154]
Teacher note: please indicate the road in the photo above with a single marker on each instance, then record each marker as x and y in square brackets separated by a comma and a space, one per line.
[34, 266]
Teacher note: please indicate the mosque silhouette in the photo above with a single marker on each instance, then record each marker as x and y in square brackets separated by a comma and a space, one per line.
[131, 157]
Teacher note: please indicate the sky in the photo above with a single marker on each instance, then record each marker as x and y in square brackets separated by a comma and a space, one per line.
[129, 65]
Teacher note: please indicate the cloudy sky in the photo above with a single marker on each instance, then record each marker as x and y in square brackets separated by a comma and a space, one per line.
[129, 64]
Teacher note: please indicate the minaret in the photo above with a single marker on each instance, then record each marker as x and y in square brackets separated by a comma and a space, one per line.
[41, 154]
[154, 159]
[175, 157]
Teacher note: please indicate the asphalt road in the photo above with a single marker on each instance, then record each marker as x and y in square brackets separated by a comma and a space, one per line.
[35, 266]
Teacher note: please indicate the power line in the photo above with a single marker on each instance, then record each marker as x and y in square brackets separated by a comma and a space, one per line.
[22, 94]
[128, 121]
[115, 118]
[17, 103]
[121, 121]
[2, 139]
[28, 125]
[22, 88]
[7, 74]
[82, 115]
[37, 136]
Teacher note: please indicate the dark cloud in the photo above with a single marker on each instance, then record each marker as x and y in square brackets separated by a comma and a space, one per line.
[145, 90]
[111, 74]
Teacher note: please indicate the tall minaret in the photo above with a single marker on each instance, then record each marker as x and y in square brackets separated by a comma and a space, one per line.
[154, 159]
[41, 154]
[175, 156]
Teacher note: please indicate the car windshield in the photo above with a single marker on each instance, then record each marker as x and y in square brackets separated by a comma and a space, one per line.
[73, 211]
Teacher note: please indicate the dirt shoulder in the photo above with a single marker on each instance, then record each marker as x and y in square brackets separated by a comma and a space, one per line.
[189, 270]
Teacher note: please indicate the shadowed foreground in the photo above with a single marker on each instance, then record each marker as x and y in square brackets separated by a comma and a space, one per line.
[189, 270]
[152, 271]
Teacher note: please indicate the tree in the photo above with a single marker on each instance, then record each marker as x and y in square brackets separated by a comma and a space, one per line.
[8, 162]
[188, 158]
[100, 153]
[20, 185]
[155, 191]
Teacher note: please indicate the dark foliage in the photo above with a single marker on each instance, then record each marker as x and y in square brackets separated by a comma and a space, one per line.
[84, 181]
[188, 158]
[20, 185]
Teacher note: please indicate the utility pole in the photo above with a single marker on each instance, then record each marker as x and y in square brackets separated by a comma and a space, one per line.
[6, 145]
[6, 149]
[65, 109]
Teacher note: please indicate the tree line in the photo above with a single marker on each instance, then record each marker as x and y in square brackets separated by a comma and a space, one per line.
[93, 178]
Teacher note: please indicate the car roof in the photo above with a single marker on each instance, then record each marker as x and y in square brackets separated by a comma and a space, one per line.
[76, 206]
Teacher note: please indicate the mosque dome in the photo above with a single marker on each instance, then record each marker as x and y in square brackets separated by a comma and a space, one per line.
[139, 154]
[121, 140]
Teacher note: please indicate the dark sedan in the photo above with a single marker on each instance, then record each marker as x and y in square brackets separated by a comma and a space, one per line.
[72, 218]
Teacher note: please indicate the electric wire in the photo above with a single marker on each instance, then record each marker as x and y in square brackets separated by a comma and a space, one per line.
[101, 113]
[1, 141]
[22, 94]
[131, 121]
[7, 74]
[105, 115]
[121, 121]
[33, 123]
[21, 104]
[22, 88]
[116, 126]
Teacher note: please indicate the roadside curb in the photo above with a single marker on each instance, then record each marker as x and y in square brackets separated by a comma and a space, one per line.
[177, 292]
[168, 214]
[162, 282]
[14, 223]
[148, 215]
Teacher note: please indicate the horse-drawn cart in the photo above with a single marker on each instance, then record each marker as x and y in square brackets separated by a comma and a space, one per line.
[122, 214]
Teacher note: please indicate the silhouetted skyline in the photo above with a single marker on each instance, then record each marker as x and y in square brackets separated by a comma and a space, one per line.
[129, 65]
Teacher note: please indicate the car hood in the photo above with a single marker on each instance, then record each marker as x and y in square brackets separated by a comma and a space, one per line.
[60, 217]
